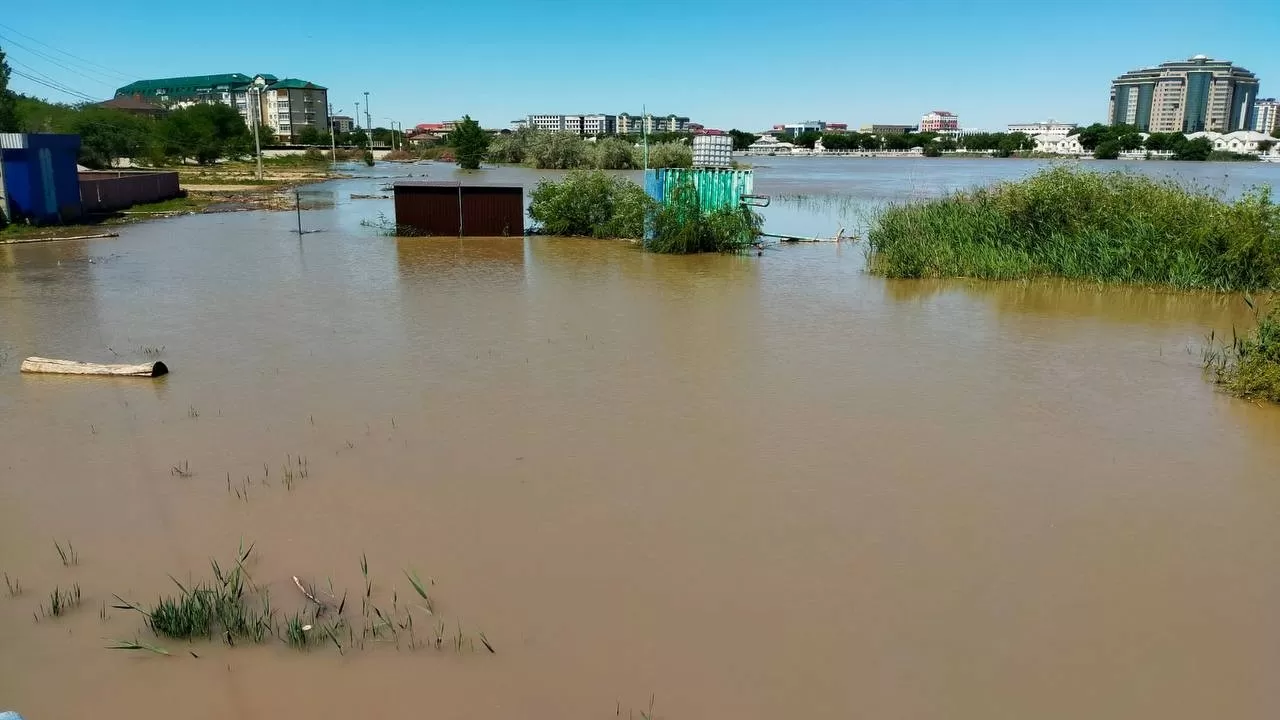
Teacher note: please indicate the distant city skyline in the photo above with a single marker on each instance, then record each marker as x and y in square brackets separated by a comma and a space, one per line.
[857, 63]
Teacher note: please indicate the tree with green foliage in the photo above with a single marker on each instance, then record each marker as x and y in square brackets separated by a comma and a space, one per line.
[1198, 149]
[8, 101]
[1265, 146]
[839, 141]
[1130, 140]
[266, 135]
[107, 134]
[358, 138]
[1126, 137]
[743, 140]
[206, 132]
[469, 142]
[806, 139]
[36, 115]
[1107, 150]
[1164, 142]
[309, 135]
[512, 147]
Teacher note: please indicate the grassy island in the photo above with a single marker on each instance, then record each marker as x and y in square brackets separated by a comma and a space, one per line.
[1114, 227]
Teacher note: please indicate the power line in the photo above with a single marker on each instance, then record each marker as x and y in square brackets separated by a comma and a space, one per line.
[55, 86]
[51, 59]
[87, 63]
[65, 88]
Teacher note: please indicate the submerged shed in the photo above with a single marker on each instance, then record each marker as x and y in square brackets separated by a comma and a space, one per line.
[717, 187]
[456, 210]
[38, 179]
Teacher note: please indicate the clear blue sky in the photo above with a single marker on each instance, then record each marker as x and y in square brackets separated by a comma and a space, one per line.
[745, 64]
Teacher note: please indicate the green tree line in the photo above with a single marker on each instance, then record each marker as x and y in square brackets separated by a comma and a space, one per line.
[1106, 142]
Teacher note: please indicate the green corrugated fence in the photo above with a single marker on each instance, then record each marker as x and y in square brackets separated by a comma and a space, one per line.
[716, 187]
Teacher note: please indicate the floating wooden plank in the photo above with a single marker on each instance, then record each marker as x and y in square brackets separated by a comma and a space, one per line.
[72, 367]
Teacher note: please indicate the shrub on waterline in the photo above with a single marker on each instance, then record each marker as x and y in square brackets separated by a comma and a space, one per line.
[591, 203]
[1249, 367]
[681, 226]
[1085, 225]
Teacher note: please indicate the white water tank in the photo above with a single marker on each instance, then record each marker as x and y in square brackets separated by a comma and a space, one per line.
[712, 151]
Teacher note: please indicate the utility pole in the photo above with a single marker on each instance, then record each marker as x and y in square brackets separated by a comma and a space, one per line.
[333, 139]
[257, 126]
[368, 119]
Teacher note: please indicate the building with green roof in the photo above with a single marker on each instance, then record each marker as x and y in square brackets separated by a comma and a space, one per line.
[288, 106]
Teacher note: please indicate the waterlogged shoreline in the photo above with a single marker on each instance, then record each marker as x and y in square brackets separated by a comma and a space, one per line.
[592, 451]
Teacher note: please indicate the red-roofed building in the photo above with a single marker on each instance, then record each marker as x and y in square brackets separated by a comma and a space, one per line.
[940, 121]
[430, 131]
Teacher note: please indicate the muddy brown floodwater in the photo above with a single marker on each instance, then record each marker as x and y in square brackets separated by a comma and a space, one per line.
[747, 487]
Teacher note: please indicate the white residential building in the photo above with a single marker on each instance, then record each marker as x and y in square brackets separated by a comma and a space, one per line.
[1056, 144]
[636, 124]
[769, 145]
[606, 124]
[1266, 115]
[1245, 142]
[1043, 128]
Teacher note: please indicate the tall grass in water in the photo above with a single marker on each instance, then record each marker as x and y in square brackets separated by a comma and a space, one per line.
[1249, 366]
[225, 607]
[1085, 225]
[681, 226]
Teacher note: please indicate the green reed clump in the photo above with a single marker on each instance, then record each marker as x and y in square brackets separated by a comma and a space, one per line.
[226, 606]
[682, 226]
[1084, 225]
[591, 203]
[61, 601]
[1249, 366]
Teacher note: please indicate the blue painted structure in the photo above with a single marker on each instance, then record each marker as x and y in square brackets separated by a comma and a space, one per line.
[38, 179]
[717, 187]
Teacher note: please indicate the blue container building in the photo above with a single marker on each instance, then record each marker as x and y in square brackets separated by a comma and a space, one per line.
[39, 182]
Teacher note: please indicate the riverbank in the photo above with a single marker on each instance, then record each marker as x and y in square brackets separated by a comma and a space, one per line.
[225, 187]
[198, 199]
[1113, 227]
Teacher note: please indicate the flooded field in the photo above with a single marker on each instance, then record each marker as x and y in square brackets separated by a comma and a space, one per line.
[744, 487]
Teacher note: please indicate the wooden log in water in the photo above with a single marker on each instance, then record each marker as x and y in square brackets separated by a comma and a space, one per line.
[72, 367]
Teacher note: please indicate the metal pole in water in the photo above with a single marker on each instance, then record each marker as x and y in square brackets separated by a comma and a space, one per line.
[297, 206]
[644, 129]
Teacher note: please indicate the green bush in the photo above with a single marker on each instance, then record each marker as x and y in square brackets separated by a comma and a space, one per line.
[566, 151]
[1086, 225]
[611, 153]
[556, 151]
[591, 203]
[681, 226]
[1250, 366]
[666, 155]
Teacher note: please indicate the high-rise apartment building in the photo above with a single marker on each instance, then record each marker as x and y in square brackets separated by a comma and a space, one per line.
[1266, 116]
[287, 105]
[1185, 96]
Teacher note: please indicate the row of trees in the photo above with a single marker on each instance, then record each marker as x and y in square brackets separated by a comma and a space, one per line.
[1106, 142]
[564, 151]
